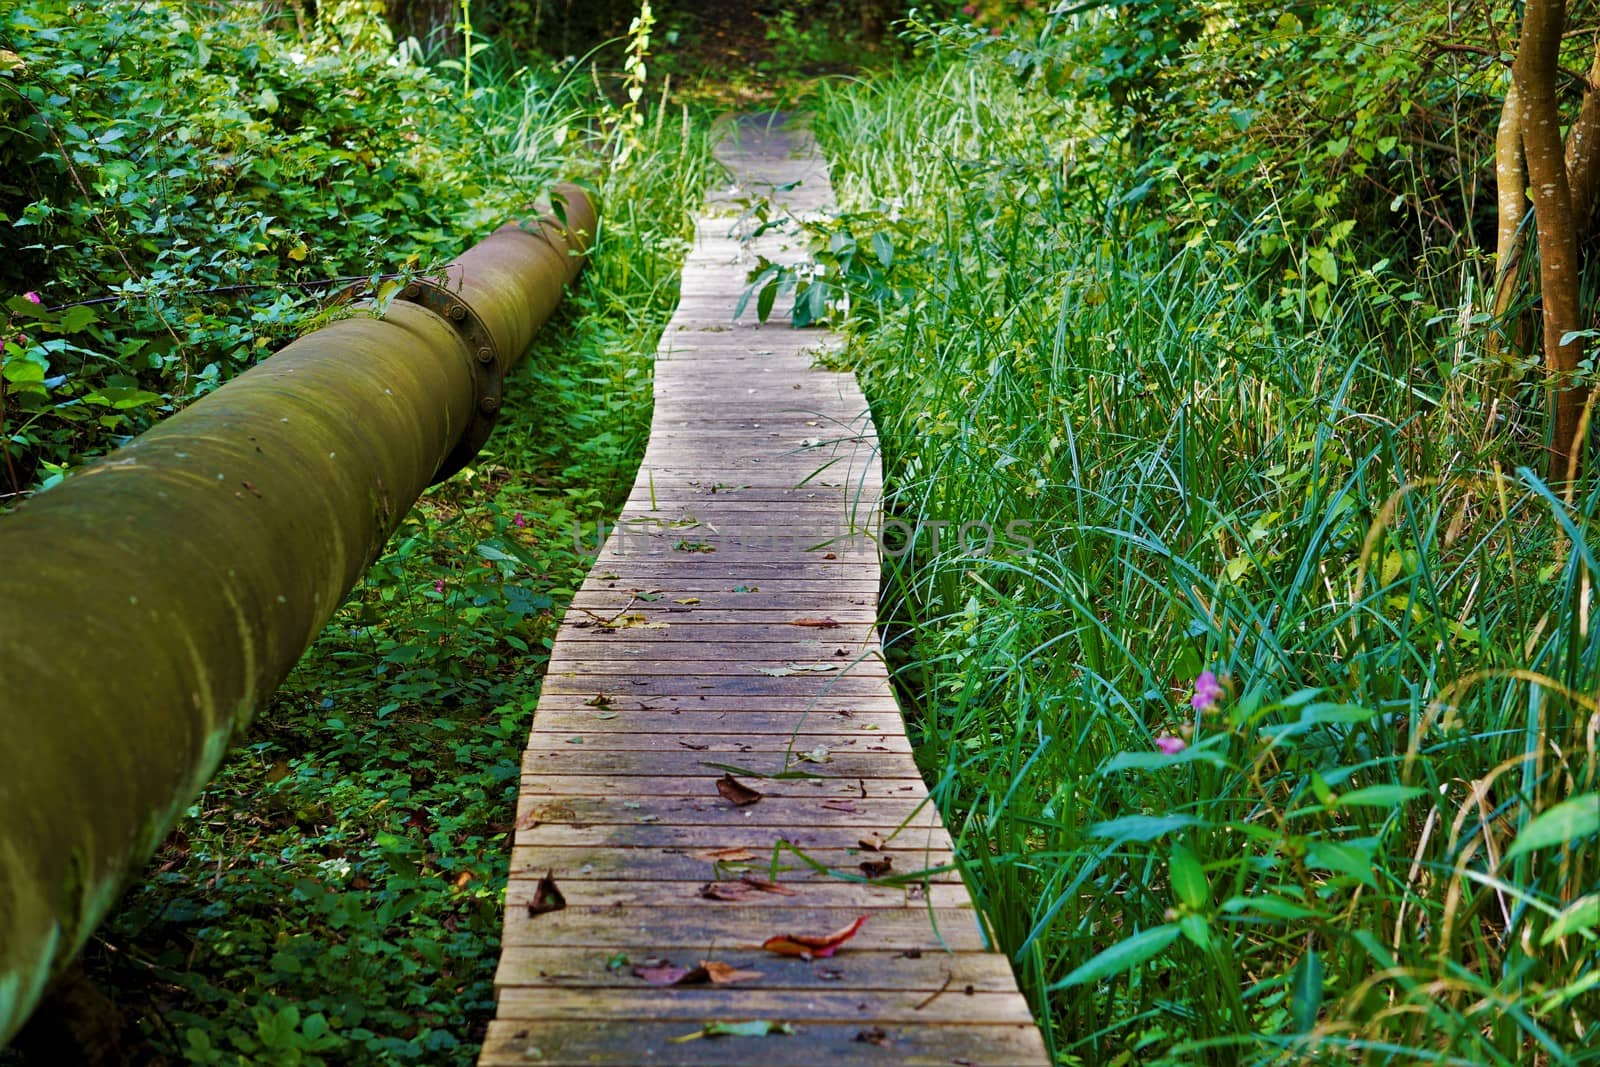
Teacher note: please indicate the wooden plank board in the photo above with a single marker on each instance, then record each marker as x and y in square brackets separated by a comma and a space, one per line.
[681, 660]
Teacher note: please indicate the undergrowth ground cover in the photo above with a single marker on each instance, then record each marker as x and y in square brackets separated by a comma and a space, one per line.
[1271, 735]
[335, 894]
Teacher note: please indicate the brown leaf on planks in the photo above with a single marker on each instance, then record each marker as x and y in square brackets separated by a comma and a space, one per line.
[736, 792]
[872, 842]
[877, 868]
[810, 946]
[847, 806]
[721, 855]
[546, 897]
[744, 889]
[766, 885]
[708, 972]
[824, 623]
[875, 1035]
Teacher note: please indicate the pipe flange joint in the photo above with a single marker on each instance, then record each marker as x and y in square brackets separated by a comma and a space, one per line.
[488, 370]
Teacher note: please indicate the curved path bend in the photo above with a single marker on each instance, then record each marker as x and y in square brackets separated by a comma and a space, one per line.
[729, 623]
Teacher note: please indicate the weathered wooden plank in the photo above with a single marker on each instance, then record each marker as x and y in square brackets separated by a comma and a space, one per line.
[549, 785]
[684, 864]
[761, 839]
[820, 812]
[588, 759]
[742, 927]
[923, 1043]
[523, 891]
[703, 1003]
[923, 972]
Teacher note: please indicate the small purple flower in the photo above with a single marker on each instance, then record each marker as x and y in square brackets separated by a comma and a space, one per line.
[518, 520]
[438, 586]
[1207, 692]
[1171, 745]
[33, 296]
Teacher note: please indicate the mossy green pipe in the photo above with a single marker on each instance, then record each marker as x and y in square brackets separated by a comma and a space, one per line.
[153, 601]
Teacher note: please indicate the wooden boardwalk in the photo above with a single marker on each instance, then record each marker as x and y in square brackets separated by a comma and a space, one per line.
[729, 623]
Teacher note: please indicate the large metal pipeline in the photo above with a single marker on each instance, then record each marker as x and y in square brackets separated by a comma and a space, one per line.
[152, 602]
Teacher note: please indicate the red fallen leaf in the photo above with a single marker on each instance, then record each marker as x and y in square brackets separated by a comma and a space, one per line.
[808, 946]
[736, 792]
[708, 972]
[546, 897]
[528, 820]
[824, 623]
[841, 805]
[659, 972]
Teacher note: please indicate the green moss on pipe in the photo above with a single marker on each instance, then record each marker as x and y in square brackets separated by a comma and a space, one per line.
[153, 601]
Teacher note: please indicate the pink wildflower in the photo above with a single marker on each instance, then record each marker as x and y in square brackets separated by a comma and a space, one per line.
[518, 520]
[1171, 745]
[438, 586]
[969, 9]
[33, 297]
[1207, 692]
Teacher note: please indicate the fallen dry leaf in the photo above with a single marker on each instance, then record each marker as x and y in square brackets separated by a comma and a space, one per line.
[736, 792]
[872, 842]
[754, 1028]
[721, 855]
[808, 946]
[599, 700]
[546, 897]
[816, 755]
[848, 806]
[708, 972]
[824, 623]
[725, 973]
[528, 819]
[734, 892]
[686, 600]
[659, 972]
[766, 885]
[873, 1036]
[693, 745]
[877, 868]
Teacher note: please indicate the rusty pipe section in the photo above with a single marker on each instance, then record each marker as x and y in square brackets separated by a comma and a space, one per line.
[152, 602]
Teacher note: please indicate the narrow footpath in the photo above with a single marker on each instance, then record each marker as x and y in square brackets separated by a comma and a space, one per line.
[726, 635]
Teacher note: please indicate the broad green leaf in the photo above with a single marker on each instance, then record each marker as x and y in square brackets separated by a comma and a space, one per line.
[883, 248]
[1141, 827]
[1581, 917]
[1123, 956]
[1270, 905]
[1188, 878]
[1379, 796]
[1197, 929]
[1565, 823]
[1343, 858]
[1305, 992]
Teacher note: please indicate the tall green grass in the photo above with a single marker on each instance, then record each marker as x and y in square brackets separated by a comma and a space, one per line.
[1380, 844]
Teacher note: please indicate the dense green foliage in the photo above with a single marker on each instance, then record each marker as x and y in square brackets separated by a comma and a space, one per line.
[335, 895]
[1247, 413]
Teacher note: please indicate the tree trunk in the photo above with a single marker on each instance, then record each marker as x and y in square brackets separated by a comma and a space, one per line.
[1508, 333]
[1583, 156]
[1538, 55]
